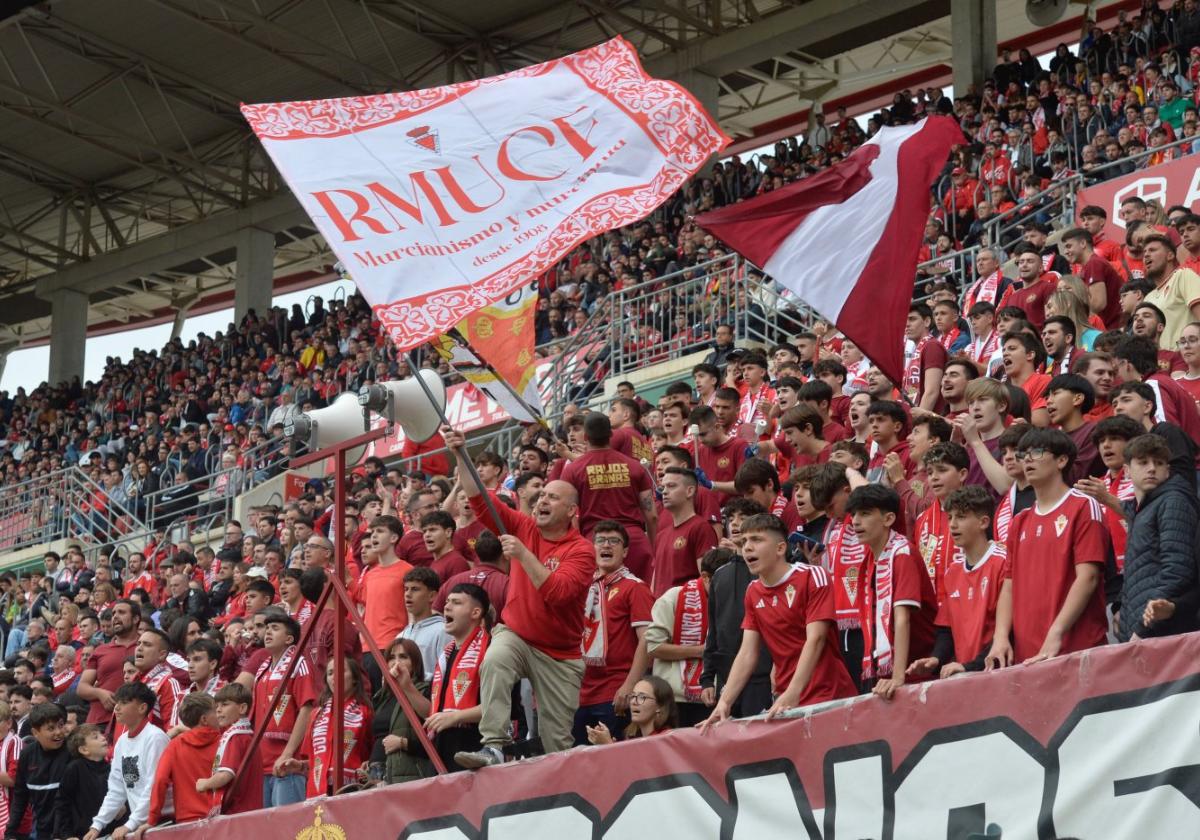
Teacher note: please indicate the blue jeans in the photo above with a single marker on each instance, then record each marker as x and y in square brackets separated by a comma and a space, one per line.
[283, 790]
[586, 716]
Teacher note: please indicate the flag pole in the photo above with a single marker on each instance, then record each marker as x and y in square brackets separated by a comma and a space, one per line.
[521, 401]
[465, 457]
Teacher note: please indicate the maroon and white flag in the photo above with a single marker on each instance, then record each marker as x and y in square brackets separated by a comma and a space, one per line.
[846, 240]
[442, 201]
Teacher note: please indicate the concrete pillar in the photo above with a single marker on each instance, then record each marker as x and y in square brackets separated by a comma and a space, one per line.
[973, 30]
[255, 272]
[68, 335]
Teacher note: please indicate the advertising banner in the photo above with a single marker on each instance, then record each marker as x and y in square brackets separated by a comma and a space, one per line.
[1101, 745]
[1171, 183]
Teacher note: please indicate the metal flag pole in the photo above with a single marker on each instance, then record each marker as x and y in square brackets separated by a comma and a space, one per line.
[464, 456]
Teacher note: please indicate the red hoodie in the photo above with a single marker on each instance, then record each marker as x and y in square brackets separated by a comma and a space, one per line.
[186, 759]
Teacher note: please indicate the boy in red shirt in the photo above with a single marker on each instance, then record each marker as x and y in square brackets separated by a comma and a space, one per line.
[898, 605]
[946, 466]
[719, 455]
[684, 536]
[887, 422]
[614, 648]
[966, 620]
[287, 723]
[233, 704]
[790, 609]
[1023, 355]
[187, 758]
[1114, 488]
[438, 530]
[1052, 601]
[757, 481]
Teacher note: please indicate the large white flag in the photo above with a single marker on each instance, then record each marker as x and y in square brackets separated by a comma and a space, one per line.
[445, 200]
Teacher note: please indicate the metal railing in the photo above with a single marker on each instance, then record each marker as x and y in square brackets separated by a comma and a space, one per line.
[1055, 203]
[668, 317]
[64, 505]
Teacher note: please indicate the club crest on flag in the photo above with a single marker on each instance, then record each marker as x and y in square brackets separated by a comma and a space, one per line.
[424, 137]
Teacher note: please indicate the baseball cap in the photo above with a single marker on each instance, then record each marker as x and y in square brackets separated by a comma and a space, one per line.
[257, 572]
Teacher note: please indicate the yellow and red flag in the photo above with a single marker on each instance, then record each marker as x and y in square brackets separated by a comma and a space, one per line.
[498, 358]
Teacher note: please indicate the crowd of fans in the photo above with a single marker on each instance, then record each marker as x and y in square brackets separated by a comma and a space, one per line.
[785, 527]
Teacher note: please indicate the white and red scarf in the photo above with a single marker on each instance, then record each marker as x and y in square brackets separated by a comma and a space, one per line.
[242, 727]
[750, 406]
[844, 556]
[691, 628]
[1004, 513]
[982, 350]
[594, 644]
[1054, 368]
[933, 542]
[912, 371]
[154, 679]
[876, 608]
[304, 613]
[215, 683]
[463, 690]
[63, 680]
[354, 717]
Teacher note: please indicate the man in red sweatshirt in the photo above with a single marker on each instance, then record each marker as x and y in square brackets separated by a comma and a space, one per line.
[187, 758]
[541, 628]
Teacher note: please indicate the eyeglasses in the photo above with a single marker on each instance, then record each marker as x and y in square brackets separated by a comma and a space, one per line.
[639, 699]
[1188, 341]
[601, 541]
[1033, 454]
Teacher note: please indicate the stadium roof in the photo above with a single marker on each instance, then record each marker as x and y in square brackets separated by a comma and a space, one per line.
[126, 169]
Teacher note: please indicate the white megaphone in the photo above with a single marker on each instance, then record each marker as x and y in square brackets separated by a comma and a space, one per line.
[404, 401]
[322, 427]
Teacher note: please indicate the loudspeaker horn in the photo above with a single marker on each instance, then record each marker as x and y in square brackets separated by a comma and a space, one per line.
[404, 401]
[322, 427]
[1045, 12]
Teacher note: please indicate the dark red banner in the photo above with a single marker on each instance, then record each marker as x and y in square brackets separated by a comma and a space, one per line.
[1175, 182]
[1104, 744]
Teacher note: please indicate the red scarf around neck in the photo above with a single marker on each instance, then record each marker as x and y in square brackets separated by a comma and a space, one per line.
[463, 690]
[691, 628]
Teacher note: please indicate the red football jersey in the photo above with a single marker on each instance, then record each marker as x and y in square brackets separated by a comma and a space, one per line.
[677, 551]
[1043, 550]
[721, 463]
[631, 443]
[608, 484]
[299, 692]
[627, 606]
[781, 614]
[969, 605]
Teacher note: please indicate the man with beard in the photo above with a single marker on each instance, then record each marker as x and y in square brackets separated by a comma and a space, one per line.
[104, 673]
[1035, 287]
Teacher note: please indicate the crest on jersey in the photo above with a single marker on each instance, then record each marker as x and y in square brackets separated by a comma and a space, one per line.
[1060, 525]
[723, 462]
[679, 543]
[790, 594]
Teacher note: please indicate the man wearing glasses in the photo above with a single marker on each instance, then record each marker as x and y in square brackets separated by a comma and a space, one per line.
[616, 615]
[1052, 601]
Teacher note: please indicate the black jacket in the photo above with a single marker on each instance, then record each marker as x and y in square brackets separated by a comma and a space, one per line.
[84, 785]
[195, 604]
[726, 608]
[43, 770]
[1161, 560]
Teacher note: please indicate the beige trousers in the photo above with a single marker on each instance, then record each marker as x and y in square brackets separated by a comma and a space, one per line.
[555, 685]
